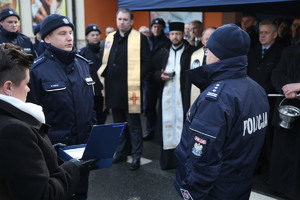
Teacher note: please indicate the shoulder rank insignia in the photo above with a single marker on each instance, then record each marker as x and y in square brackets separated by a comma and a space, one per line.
[83, 58]
[214, 91]
[38, 61]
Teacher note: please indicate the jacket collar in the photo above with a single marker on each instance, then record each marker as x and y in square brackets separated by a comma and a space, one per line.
[230, 68]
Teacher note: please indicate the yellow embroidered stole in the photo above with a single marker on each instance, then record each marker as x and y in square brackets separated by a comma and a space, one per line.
[133, 68]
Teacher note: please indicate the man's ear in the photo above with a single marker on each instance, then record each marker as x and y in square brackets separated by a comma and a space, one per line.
[6, 88]
[47, 39]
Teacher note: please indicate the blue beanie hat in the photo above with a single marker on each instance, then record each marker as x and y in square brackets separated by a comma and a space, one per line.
[229, 41]
[92, 27]
[7, 12]
[36, 29]
[52, 22]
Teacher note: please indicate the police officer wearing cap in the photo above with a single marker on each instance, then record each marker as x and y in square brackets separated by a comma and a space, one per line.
[225, 127]
[157, 40]
[61, 83]
[9, 32]
[93, 53]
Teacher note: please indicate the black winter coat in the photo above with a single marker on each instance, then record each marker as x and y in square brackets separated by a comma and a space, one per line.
[29, 168]
[260, 69]
[116, 89]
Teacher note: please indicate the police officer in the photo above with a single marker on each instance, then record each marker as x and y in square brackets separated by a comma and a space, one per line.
[93, 53]
[61, 83]
[225, 127]
[9, 33]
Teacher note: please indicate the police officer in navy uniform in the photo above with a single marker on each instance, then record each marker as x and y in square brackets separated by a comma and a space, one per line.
[61, 83]
[93, 53]
[225, 127]
[9, 33]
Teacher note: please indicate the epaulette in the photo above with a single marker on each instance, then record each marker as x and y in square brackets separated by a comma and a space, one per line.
[38, 61]
[83, 58]
[214, 91]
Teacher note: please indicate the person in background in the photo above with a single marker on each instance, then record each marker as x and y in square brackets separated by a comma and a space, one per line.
[126, 62]
[144, 30]
[295, 29]
[108, 30]
[219, 144]
[262, 60]
[284, 174]
[171, 63]
[157, 40]
[9, 31]
[196, 29]
[187, 34]
[29, 168]
[248, 23]
[93, 53]
[284, 31]
[38, 45]
[198, 59]
[61, 83]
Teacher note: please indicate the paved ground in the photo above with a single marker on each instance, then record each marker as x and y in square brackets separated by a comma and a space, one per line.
[149, 182]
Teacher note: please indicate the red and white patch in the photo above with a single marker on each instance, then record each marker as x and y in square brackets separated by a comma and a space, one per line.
[185, 194]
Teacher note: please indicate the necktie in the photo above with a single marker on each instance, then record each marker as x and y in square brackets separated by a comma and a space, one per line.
[263, 52]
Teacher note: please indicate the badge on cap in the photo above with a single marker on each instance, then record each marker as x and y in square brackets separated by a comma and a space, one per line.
[66, 21]
[94, 27]
[185, 194]
[11, 12]
[156, 21]
[199, 147]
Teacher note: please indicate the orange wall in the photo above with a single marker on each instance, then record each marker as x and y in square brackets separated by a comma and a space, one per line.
[103, 13]
[212, 19]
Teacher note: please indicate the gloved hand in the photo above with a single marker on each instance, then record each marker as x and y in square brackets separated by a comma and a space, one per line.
[58, 145]
[84, 165]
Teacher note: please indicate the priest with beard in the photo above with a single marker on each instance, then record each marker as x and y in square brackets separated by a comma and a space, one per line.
[172, 62]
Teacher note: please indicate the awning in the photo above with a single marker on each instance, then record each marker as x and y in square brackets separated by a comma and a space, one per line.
[290, 7]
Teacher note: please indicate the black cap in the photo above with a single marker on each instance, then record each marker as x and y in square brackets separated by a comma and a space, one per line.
[158, 21]
[176, 26]
[92, 27]
[7, 12]
[52, 22]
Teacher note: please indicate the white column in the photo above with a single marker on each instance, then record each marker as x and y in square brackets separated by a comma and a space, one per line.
[26, 18]
[80, 23]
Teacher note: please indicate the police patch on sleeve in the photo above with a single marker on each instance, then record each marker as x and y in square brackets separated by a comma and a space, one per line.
[199, 147]
[185, 194]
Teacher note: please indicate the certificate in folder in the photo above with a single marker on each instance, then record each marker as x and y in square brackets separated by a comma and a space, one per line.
[101, 145]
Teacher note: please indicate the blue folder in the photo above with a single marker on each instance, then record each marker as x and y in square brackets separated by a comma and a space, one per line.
[101, 145]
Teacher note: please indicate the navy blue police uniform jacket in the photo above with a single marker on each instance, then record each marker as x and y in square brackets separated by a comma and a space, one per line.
[17, 38]
[66, 94]
[223, 133]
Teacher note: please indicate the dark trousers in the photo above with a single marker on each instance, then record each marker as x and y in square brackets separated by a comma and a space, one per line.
[151, 98]
[98, 107]
[134, 133]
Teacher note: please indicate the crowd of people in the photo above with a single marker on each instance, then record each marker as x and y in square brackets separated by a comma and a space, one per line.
[204, 93]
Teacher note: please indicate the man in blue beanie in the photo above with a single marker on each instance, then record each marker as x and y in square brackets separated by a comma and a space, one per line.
[225, 127]
[61, 83]
[9, 31]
